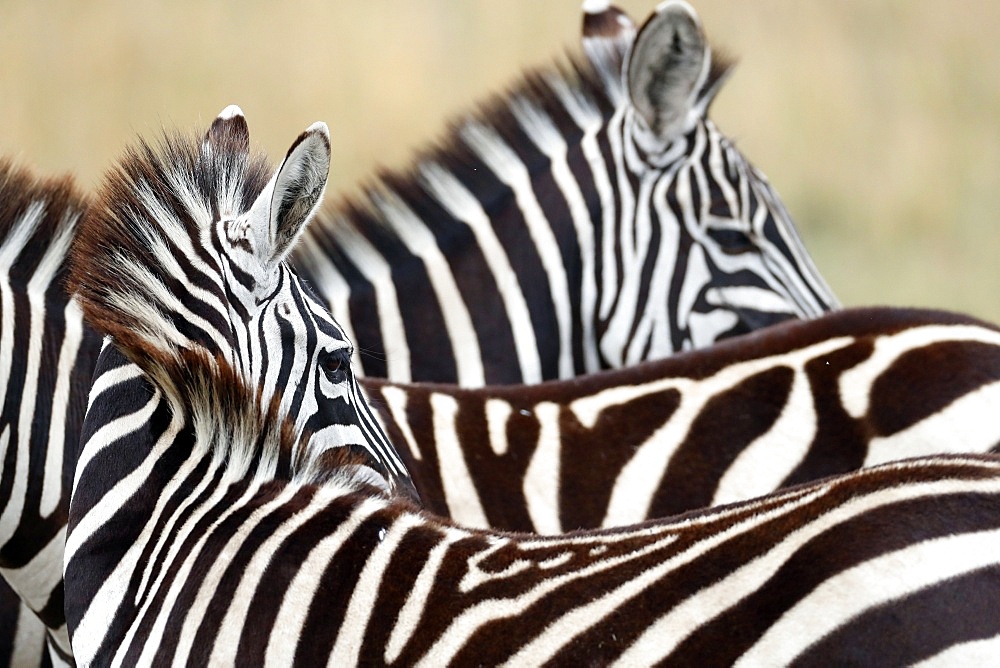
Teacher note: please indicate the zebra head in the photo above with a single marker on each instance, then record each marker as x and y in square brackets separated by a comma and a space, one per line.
[700, 246]
[185, 252]
[591, 216]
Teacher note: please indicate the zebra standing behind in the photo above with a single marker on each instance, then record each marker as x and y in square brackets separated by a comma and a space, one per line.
[47, 356]
[592, 217]
[219, 536]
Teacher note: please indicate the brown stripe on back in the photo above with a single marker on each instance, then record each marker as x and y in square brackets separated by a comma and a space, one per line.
[928, 379]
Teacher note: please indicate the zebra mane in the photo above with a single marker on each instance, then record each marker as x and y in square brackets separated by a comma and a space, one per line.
[134, 267]
[38, 219]
[151, 225]
[539, 96]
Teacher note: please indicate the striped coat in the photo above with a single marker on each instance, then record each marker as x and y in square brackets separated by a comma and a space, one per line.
[931, 378]
[216, 535]
[47, 356]
[789, 404]
[890, 565]
[591, 217]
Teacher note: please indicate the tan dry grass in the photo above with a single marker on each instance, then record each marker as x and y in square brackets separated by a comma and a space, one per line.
[877, 121]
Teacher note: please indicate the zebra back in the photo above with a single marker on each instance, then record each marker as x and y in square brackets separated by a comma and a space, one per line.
[46, 359]
[589, 217]
[795, 402]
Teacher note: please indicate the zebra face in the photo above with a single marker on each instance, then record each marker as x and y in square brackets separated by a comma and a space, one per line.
[286, 340]
[705, 248]
[297, 347]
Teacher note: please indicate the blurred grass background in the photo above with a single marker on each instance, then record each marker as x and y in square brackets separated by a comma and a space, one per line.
[876, 121]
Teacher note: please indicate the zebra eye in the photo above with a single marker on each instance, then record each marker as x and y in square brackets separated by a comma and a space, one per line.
[335, 366]
[732, 242]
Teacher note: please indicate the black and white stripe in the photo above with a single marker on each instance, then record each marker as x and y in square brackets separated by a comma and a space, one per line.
[202, 249]
[789, 404]
[213, 535]
[568, 227]
[182, 257]
[46, 359]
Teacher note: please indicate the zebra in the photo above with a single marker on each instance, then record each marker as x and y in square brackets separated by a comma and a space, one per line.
[47, 356]
[599, 34]
[796, 402]
[592, 217]
[226, 240]
[192, 265]
[23, 638]
[218, 536]
[946, 358]
[927, 379]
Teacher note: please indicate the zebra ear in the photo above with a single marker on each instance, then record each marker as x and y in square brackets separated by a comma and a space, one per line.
[229, 129]
[296, 191]
[666, 68]
[607, 35]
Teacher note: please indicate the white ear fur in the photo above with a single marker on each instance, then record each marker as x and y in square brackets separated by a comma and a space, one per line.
[608, 33]
[288, 202]
[667, 66]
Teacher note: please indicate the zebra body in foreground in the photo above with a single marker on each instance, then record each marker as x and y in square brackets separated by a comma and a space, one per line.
[47, 356]
[240, 552]
[593, 217]
[793, 403]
